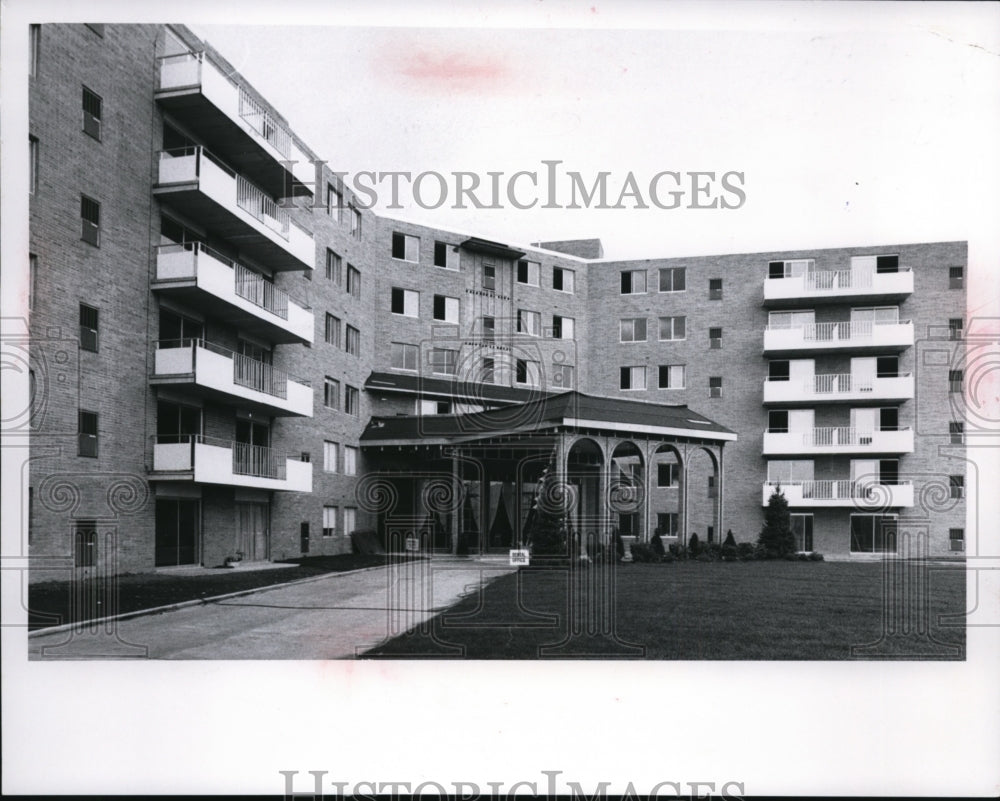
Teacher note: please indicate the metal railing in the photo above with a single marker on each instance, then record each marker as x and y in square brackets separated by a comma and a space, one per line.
[837, 489]
[262, 207]
[248, 459]
[833, 383]
[247, 371]
[844, 331]
[264, 124]
[819, 280]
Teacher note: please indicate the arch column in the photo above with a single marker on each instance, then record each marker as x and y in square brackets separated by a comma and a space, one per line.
[682, 504]
[721, 491]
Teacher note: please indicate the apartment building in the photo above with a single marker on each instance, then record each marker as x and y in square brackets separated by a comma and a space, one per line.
[223, 341]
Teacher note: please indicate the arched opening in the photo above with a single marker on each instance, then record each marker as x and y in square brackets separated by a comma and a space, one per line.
[584, 464]
[703, 496]
[666, 493]
[627, 490]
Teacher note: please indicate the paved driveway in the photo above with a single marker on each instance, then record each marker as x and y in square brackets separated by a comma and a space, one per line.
[333, 617]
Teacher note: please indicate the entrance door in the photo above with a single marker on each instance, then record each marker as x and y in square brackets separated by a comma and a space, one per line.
[178, 532]
[176, 422]
[253, 534]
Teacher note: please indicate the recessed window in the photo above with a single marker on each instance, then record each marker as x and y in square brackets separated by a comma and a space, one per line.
[715, 289]
[334, 266]
[956, 486]
[873, 533]
[672, 328]
[802, 530]
[633, 282]
[489, 277]
[350, 460]
[446, 309]
[331, 456]
[334, 203]
[563, 327]
[956, 536]
[332, 330]
[527, 272]
[329, 521]
[489, 328]
[444, 361]
[404, 356]
[487, 370]
[352, 342]
[32, 164]
[87, 434]
[91, 114]
[794, 268]
[353, 281]
[331, 393]
[352, 400]
[90, 215]
[632, 377]
[672, 279]
[956, 432]
[956, 381]
[956, 278]
[562, 376]
[715, 338]
[777, 421]
[563, 280]
[84, 543]
[355, 222]
[405, 247]
[445, 256]
[527, 371]
[34, 47]
[671, 376]
[956, 326]
[405, 302]
[529, 322]
[88, 328]
[668, 523]
[715, 386]
[668, 474]
[632, 329]
[350, 520]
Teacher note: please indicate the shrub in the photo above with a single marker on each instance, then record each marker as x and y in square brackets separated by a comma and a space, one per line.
[705, 556]
[619, 544]
[730, 540]
[678, 551]
[746, 551]
[694, 546]
[816, 556]
[657, 544]
[776, 535]
[642, 552]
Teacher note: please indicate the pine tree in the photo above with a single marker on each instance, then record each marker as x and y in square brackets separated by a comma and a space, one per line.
[776, 536]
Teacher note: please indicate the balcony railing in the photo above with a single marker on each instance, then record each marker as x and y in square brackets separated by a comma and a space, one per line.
[269, 129]
[834, 283]
[856, 333]
[865, 494]
[839, 386]
[252, 287]
[838, 439]
[263, 208]
[247, 372]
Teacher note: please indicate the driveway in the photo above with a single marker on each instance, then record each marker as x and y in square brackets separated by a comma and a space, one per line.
[339, 616]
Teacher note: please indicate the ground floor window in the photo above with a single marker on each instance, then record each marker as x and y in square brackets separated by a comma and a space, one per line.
[666, 524]
[802, 529]
[628, 524]
[873, 533]
[178, 524]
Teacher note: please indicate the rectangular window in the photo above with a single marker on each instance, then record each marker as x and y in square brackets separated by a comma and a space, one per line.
[715, 338]
[633, 282]
[34, 46]
[955, 327]
[563, 327]
[334, 203]
[87, 434]
[487, 368]
[32, 164]
[715, 386]
[956, 485]
[404, 356]
[873, 533]
[667, 524]
[91, 114]
[956, 380]
[956, 536]
[956, 277]
[84, 543]
[352, 400]
[672, 328]
[790, 471]
[353, 343]
[332, 331]
[632, 329]
[444, 361]
[715, 289]
[32, 278]
[446, 309]
[350, 520]
[802, 530]
[88, 328]
[333, 267]
[527, 371]
[563, 280]
[777, 421]
[445, 256]
[529, 322]
[331, 393]
[405, 302]
[527, 272]
[331, 456]
[489, 328]
[562, 376]
[791, 269]
[489, 277]
[405, 247]
[355, 223]
[672, 279]
[671, 376]
[350, 460]
[90, 216]
[667, 474]
[787, 320]
[329, 521]
[353, 281]
[956, 432]
[632, 377]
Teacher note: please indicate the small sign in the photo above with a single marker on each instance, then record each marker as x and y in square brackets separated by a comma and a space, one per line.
[412, 544]
[519, 556]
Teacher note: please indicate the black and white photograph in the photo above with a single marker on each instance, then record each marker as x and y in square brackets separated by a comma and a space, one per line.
[533, 398]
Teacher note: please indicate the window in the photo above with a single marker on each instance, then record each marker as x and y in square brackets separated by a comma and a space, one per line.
[331, 393]
[777, 421]
[956, 277]
[632, 377]
[715, 338]
[672, 328]
[563, 327]
[489, 328]
[350, 519]
[352, 400]
[632, 329]
[671, 376]
[633, 282]
[34, 42]
[87, 428]
[955, 381]
[527, 272]
[305, 457]
[527, 371]
[668, 474]
[404, 356]
[355, 223]
[331, 456]
[444, 361]
[88, 328]
[956, 485]
[405, 247]
[446, 309]
[802, 530]
[445, 256]
[715, 386]
[32, 164]
[32, 278]
[84, 543]
[956, 536]
[563, 280]
[791, 269]
[790, 471]
[790, 319]
[715, 289]
[956, 431]
[489, 277]
[91, 114]
[333, 267]
[487, 367]
[955, 327]
[334, 203]
[350, 460]
[529, 322]
[90, 215]
[405, 302]
[353, 281]
[873, 533]
[329, 521]
[667, 523]
[562, 376]
[710, 490]
[353, 343]
[332, 332]
[672, 279]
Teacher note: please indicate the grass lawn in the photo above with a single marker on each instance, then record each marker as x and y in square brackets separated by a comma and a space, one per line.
[49, 602]
[717, 610]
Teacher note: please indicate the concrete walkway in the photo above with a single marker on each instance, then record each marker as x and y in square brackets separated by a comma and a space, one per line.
[338, 616]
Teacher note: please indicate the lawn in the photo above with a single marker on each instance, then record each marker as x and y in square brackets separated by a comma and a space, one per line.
[718, 610]
[50, 602]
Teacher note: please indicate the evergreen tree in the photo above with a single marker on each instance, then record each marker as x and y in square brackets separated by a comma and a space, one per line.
[694, 546]
[776, 536]
[657, 544]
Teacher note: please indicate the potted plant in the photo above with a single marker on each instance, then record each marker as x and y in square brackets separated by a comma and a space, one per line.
[234, 561]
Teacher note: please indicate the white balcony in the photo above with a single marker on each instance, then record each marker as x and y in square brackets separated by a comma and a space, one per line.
[206, 460]
[832, 286]
[856, 337]
[205, 189]
[233, 123]
[840, 388]
[231, 378]
[838, 439]
[865, 496]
